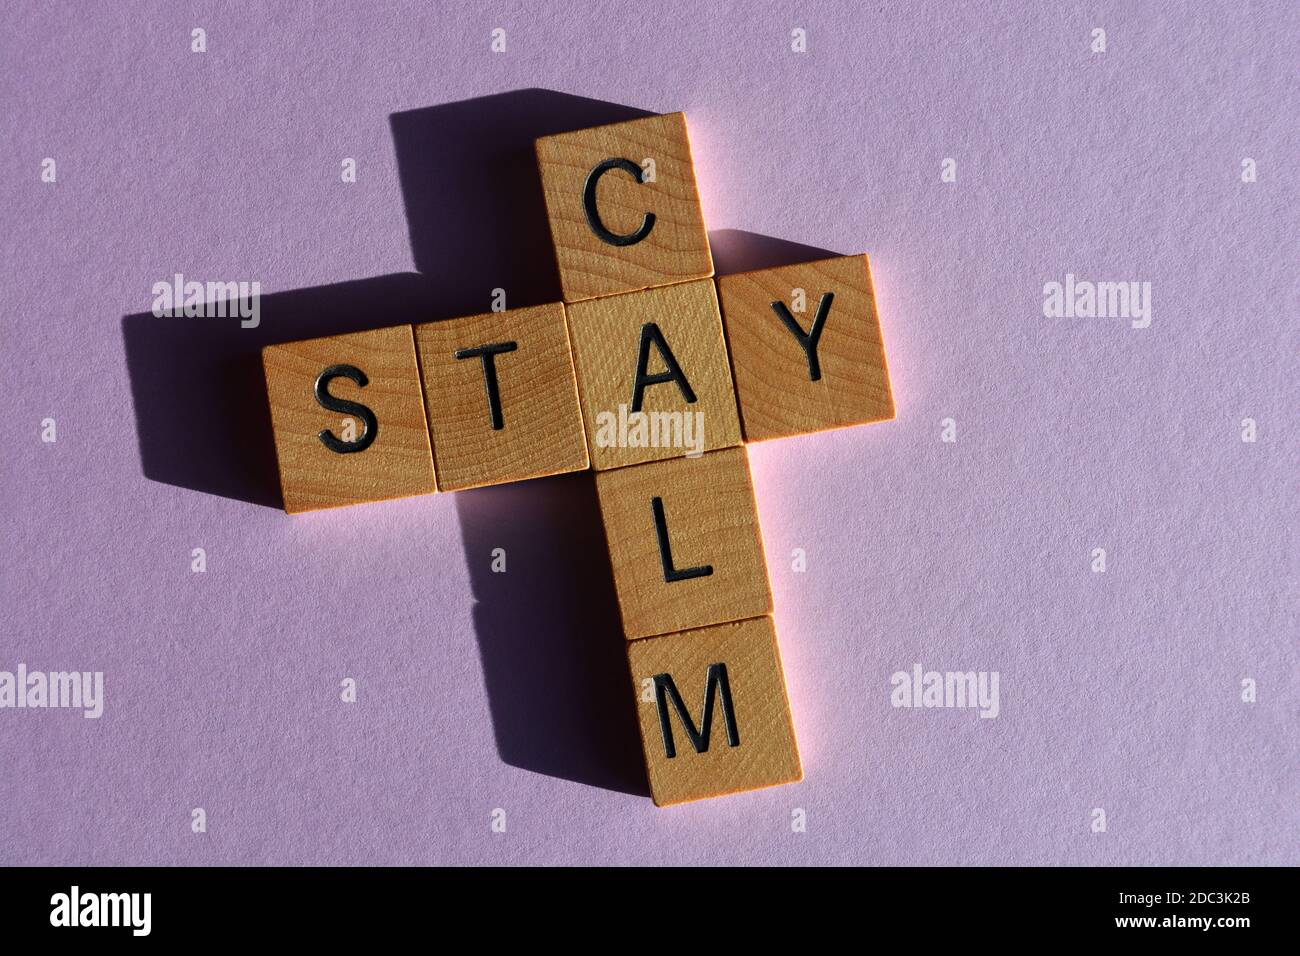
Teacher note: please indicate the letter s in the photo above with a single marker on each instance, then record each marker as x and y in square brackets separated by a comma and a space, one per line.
[333, 404]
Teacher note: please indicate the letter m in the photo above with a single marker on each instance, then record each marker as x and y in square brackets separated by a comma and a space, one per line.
[715, 684]
[120, 907]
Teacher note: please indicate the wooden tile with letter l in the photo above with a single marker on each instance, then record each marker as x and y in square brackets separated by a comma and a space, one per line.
[806, 347]
[684, 543]
[348, 419]
[502, 397]
[623, 207]
[653, 374]
[713, 710]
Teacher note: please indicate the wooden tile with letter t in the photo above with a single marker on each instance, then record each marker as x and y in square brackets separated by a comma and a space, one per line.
[684, 543]
[653, 374]
[713, 710]
[502, 397]
[806, 347]
[623, 207]
[348, 419]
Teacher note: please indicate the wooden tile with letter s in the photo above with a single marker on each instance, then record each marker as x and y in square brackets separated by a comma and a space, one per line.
[502, 397]
[348, 419]
[684, 543]
[713, 711]
[623, 207]
[653, 374]
[806, 347]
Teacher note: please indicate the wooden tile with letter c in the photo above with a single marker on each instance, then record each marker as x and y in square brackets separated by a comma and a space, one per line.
[623, 207]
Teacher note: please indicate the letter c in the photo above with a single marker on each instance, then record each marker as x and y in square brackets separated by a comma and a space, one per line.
[593, 214]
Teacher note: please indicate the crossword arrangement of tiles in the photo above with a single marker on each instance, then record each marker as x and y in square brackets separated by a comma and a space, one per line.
[631, 375]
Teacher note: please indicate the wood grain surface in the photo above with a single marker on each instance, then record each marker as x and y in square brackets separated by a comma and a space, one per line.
[398, 462]
[606, 334]
[775, 392]
[710, 520]
[765, 753]
[541, 425]
[675, 249]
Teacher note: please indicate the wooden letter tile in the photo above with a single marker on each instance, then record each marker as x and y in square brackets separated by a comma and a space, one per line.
[684, 543]
[717, 720]
[623, 207]
[502, 397]
[653, 374]
[806, 347]
[348, 419]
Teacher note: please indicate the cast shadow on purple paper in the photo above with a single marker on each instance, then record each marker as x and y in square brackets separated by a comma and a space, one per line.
[202, 421]
[548, 629]
[549, 634]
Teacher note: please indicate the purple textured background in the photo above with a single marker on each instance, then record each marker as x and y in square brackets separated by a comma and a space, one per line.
[1118, 690]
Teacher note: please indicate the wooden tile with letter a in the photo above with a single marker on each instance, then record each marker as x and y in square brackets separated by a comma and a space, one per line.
[684, 543]
[502, 397]
[713, 710]
[348, 419]
[653, 374]
[623, 207]
[806, 347]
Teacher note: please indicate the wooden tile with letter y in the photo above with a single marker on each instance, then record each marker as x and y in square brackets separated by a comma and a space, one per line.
[806, 347]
